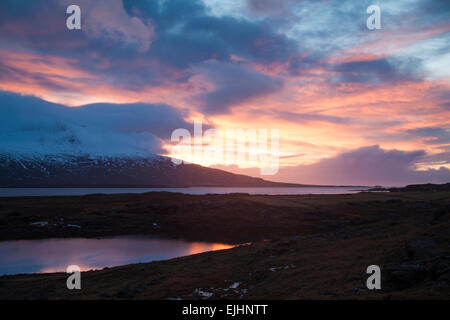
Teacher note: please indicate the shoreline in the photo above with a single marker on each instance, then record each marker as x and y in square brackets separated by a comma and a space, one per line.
[53, 192]
[303, 247]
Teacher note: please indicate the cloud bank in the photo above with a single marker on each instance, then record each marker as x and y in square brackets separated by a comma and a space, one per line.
[30, 125]
[370, 165]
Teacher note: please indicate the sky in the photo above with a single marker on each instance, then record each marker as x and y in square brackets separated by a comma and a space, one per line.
[351, 105]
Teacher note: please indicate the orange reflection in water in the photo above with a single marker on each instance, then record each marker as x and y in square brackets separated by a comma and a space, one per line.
[198, 247]
[55, 255]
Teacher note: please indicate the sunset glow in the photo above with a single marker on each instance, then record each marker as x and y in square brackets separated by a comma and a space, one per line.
[328, 84]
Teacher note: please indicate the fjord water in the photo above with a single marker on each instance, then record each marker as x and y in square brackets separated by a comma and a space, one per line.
[55, 255]
[37, 192]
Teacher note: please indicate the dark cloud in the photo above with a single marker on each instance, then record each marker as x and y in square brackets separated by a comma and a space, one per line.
[443, 96]
[269, 6]
[434, 135]
[234, 85]
[154, 43]
[439, 8]
[143, 43]
[300, 65]
[30, 124]
[140, 44]
[284, 8]
[438, 158]
[166, 14]
[194, 38]
[375, 71]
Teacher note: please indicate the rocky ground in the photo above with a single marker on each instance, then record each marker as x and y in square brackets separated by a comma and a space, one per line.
[301, 247]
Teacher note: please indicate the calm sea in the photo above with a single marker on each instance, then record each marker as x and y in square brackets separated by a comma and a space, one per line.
[19, 192]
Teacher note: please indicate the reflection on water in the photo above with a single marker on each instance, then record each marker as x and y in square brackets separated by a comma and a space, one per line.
[19, 192]
[54, 255]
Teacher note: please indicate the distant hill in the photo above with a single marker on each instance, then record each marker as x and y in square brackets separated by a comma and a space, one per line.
[416, 187]
[86, 171]
[423, 187]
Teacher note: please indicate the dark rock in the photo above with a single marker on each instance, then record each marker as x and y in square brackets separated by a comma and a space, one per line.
[440, 267]
[419, 248]
[125, 294]
[394, 201]
[286, 243]
[403, 276]
[444, 279]
[439, 213]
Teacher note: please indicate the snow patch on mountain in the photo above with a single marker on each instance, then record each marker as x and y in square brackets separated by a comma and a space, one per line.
[30, 126]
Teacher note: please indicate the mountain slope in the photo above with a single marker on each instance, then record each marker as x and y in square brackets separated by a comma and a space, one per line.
[88, 171]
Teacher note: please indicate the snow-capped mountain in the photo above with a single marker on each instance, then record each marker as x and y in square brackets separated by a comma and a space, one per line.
[47, 144]
[62, 170]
